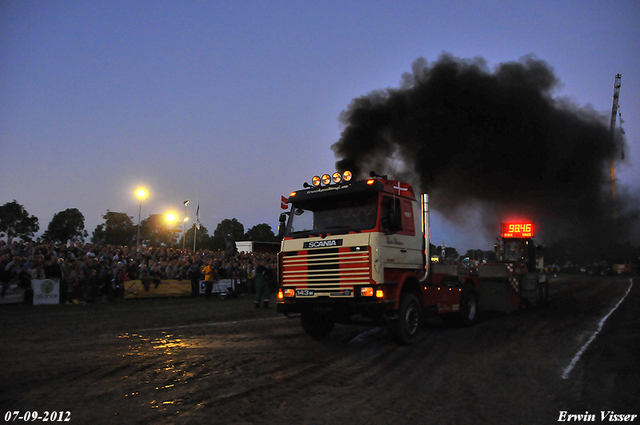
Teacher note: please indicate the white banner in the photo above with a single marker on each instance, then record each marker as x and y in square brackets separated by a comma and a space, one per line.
[46, 291]
[219, 286]
[12, 294]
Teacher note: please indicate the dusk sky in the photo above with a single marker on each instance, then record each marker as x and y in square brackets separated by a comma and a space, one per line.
[234, 103]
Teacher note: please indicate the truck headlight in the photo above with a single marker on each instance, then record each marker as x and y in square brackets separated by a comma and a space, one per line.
[366, 292]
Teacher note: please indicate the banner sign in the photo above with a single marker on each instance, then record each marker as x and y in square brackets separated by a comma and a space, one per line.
[12, 294]
[219, 286]
[153, 288]
[46, 291]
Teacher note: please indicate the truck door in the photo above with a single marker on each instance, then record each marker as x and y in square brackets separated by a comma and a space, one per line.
[399, 233]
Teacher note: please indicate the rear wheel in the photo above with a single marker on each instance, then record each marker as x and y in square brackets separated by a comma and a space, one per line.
[468, 315]
[315, 324]
[469, 306]
[406, 328]
[543, 292]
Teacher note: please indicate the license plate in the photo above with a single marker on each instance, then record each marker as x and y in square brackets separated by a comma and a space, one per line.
[304, 292]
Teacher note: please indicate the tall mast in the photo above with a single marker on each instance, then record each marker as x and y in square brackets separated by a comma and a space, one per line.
[616, 95]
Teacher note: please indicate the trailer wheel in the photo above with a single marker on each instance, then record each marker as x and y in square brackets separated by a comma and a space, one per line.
[469, 306]
[543, 293]
[315, 324]
[406, 328]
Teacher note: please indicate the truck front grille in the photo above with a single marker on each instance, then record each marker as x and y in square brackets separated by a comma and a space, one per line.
[327, 268]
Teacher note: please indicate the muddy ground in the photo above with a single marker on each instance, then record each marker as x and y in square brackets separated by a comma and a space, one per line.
[196, 361]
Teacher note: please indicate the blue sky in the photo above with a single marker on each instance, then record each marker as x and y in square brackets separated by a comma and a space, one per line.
[234, 103]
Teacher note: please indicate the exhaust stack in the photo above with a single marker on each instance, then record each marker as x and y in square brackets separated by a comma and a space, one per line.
[426, 234]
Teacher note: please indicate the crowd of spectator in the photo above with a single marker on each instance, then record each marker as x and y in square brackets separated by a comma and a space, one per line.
[89, 272]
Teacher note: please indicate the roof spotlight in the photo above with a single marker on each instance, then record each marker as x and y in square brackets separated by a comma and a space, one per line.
[336, 177]
[326, 179]
[346, 176]
[315, 181]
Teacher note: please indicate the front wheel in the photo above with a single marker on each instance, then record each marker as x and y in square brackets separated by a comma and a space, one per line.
[406, 328]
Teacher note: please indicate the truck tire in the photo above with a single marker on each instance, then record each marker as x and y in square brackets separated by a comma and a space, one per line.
[543, 293]
[315, 324]
[468, 315]
[406, 328]
[468, 306]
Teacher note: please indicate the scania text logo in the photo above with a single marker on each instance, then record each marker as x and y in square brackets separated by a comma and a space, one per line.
[323, 244]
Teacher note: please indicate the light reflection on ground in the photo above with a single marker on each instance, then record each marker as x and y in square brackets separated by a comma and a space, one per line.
[176, 360]
[140, 345]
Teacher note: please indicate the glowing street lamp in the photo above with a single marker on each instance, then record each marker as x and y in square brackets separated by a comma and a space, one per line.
[141, 194]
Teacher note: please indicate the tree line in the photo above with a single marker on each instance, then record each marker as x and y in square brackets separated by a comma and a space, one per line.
[119, 229]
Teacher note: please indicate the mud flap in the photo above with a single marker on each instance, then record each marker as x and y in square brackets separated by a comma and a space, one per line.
[499, 290]
[498, 296]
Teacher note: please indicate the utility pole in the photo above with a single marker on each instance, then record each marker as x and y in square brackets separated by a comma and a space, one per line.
[616, 95]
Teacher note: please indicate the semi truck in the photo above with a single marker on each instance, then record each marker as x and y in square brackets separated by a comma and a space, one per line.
[357, 251]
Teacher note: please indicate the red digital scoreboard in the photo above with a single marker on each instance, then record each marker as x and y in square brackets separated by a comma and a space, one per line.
[518, 230]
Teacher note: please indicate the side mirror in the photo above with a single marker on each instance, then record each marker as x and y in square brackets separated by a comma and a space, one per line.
[282, 226]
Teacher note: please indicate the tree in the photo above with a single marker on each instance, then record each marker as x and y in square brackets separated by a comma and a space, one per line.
[154, 231]
[66, 225]
[202, 237]
[15, 221]
[451, 254]
[262, 233]
[118, 229]
[478, 254]
[227, 228]
[98, 237]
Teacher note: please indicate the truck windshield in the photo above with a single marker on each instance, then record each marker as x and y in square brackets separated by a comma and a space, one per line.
[335, 215]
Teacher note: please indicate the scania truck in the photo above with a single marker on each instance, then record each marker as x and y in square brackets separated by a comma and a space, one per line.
[358, 251]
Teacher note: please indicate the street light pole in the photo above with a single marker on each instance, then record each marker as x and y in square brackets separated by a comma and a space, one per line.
[170, 219]
[184, 225]
[140, 193]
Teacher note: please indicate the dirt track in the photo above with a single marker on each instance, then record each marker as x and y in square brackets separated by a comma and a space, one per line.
[264, 369]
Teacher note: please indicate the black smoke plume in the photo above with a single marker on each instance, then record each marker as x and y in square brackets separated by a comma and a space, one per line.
[496, 140]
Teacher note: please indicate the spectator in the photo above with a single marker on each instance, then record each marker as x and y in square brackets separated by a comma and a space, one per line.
[207, 271]
[194, 276]
[37, 272]
[262, 285]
